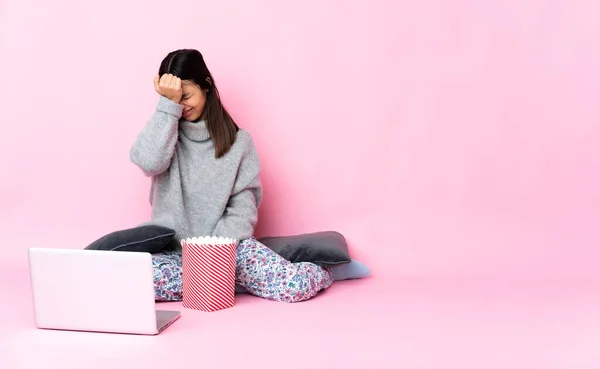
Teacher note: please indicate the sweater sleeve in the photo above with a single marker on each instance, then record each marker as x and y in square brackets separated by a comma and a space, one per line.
[153, 150]
[241, 214]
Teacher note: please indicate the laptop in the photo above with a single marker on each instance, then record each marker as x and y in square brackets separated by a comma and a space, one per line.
[95, 291]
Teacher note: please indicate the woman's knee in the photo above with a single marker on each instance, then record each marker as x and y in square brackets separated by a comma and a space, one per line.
[255, 261]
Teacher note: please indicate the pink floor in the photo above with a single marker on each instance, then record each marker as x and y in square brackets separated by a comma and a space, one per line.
[375, 323]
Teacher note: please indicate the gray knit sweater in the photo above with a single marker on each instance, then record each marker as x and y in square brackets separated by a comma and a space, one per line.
[192, 192]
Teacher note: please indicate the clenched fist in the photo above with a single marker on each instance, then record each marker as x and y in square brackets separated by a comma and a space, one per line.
[169, 86]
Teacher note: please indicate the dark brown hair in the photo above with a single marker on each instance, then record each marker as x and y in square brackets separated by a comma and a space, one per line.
[188, 64]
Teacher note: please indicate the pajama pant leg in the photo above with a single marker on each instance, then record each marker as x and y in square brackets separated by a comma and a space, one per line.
[266, 274]
[168, 278]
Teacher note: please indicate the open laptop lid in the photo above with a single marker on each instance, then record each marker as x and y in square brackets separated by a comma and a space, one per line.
[90, 290]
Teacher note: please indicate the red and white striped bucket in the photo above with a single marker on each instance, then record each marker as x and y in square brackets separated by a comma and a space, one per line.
[208, 273]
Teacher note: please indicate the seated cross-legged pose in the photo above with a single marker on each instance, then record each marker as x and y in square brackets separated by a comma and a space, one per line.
[205, 176]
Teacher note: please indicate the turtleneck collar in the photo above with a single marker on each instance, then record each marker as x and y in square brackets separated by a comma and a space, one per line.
[195, 131]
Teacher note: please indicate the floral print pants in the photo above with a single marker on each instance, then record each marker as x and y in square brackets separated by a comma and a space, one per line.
[259, 270]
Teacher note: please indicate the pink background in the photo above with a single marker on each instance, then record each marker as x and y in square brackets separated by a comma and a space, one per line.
[442, 138]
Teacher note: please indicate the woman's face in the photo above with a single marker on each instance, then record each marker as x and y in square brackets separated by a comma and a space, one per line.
[193, 99]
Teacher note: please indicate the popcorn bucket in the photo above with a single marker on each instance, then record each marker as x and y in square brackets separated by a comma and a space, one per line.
[208, 273]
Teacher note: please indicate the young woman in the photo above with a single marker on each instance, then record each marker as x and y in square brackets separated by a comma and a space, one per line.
[205, 182]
